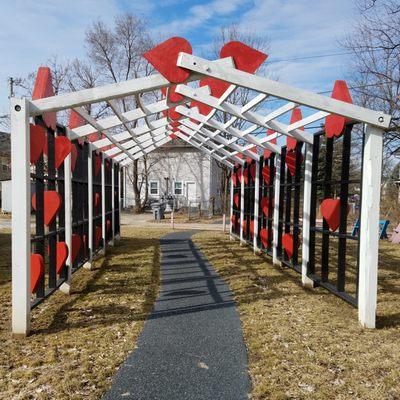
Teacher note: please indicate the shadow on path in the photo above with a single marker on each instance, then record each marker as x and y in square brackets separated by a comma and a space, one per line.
[192, 344]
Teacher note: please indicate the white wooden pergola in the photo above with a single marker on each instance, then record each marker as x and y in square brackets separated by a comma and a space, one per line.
[206, 133]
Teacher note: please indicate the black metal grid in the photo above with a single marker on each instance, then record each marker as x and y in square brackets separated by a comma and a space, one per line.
[333, 276]
[44, 240]
[97, 206]
[108, 198]
[249, 193]
[117, 200]
[266, 194]
[236, 208]
[290, 206]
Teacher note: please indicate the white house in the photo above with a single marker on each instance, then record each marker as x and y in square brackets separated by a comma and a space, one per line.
[180, 170]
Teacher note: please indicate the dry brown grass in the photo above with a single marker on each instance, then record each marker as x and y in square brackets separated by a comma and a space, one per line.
[308, 343]
[78, 341]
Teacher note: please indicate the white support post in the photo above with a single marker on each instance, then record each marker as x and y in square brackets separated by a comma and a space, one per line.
[103, 203]
[307, 282]
[66, 286]
[112, 203]
[224, 222]
[90, 203]
[275, 224]
[21, 216]
[124, 183]
[231, 226]
[242, 241]
[256, 206]
[369, 226]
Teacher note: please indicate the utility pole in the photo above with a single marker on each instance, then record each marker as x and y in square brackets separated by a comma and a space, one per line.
[11, 82]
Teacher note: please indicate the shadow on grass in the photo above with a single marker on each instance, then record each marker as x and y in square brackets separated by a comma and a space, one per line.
[112, 283]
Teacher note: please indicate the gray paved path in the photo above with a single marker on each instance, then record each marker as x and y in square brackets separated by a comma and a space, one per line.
[192, 345]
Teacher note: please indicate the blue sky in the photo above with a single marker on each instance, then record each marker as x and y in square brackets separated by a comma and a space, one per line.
[32, 31]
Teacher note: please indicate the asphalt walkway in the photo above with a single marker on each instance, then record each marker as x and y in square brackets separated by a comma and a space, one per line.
[192, 345]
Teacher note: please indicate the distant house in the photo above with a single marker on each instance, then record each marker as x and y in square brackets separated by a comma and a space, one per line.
[180, 170]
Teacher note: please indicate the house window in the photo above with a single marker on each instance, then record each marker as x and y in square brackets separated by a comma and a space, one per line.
[154, 187]
[178, 187]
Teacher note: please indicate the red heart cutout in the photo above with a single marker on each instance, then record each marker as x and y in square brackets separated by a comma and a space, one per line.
[96, 200]
[234, 179]
[264, 203]
[44, 88]
[268, 153]
[165, 56]
[330, 210]
[76, 242]
[239, 174]
[288, 244]
[217, 87]
[252, 228]
[173, 97]
[84, 241]
[74, 156]
[62, 147]
[246, 58]
[97, 164]
[248, 158]
[204, 109]
[75, 121]
[334, 124]
[52, 204]
[236, 199]
[246, 175]
[264, 237]
[62, 254]
[38, 141]
[37, 271]
[291, 143]
[233, 220]
[108, 225]
[291, 161]
[266, 173]
[244, 226]
[253, 171]
[97, 235]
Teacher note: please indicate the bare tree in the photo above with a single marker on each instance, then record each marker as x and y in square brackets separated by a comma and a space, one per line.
[116, 53]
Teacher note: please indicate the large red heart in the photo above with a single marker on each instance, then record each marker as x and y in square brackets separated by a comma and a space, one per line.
[330, 210]
[264, 203]
[236, 199]
[97, 164]
[334, 124]
[264, 237]
[52, 204]
[244, 225]
[173, 97]
[246, 175]
[76, 242]
[62, 254]
[204, 109]
[253, 171]
[252, 228]
[296, 116]
[239, 174]
[246, 58]
[233, 220]
[96, 200]
[44, 88]
[234, 179]
[291, 161]
[108, 225]
[268, 153]
[288, 244]
[174, 115]
[74, 156]
[266, 173]
[62, 147]
[97, 235]
[217, 87]
[248, 158]
[38, 141]
[37, 271]
[164, 58]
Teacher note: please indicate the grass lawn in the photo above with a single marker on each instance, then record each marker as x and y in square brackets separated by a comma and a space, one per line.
[78, 341]
[308, 343]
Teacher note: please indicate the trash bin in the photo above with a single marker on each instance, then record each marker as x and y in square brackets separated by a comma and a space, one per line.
[158, 210]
